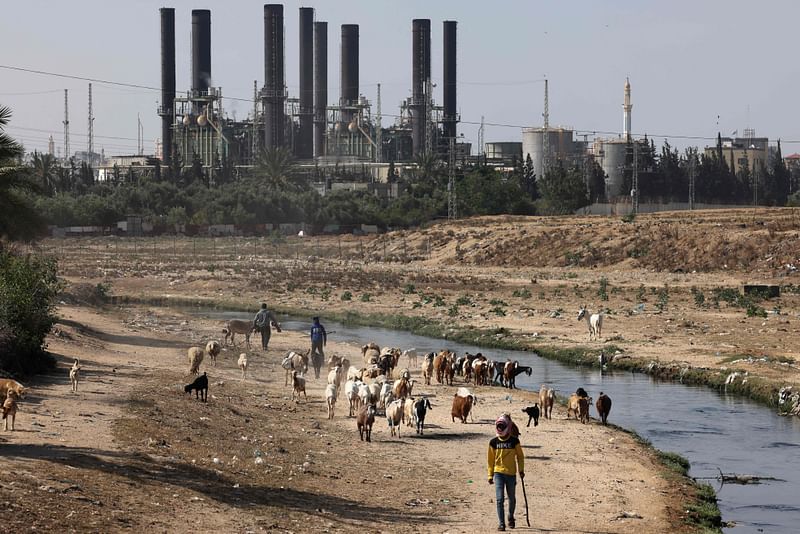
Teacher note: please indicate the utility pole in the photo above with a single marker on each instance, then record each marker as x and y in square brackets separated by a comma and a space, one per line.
[545, 132]
[66, 124]
[635, 180]
[586, 166]
[429, 116]
[91, 124]
[451, 179]
[692, 171]
[378, 131]
[139, 133]
[480, 138]
[254, 141]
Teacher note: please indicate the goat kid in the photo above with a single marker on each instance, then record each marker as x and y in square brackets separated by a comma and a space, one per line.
[74, 372]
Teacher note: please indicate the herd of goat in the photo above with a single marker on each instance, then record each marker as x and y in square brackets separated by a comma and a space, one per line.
[370, 389]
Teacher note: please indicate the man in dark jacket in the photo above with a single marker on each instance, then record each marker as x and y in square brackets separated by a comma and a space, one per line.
[262, 322]
[319, 337]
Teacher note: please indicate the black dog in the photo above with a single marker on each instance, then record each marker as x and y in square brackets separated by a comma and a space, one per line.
[533, 413]
[200, 385]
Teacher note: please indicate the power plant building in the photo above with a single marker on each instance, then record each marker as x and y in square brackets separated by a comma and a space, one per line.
[560, 143]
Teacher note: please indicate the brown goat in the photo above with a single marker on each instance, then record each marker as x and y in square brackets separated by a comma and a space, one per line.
[603, 406]
[364, 420]
[461, 407]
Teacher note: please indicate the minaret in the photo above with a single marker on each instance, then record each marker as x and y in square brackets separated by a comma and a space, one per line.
[626, 114]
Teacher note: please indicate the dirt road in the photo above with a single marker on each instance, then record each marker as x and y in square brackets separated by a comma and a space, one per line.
[130, 450]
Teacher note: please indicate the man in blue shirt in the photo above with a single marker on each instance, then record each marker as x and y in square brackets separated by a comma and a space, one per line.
[318, 340]
[262, 322]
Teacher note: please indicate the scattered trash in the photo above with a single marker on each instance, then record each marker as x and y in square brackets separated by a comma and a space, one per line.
[629, 515]
[259, 460]
[418, 502]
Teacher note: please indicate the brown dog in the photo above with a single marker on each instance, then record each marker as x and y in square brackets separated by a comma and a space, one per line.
[10, 409]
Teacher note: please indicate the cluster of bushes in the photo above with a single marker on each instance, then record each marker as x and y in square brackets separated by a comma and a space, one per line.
[28, 286]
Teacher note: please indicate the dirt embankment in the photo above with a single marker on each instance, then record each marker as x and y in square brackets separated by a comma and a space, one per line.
[131, 451]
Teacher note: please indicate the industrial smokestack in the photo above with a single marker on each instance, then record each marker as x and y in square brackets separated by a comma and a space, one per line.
[305, 145]
[349, 74]
[201, 50]
[167, 81]
[320, 86]
[274, 80]
[449, 79]
[420, 76]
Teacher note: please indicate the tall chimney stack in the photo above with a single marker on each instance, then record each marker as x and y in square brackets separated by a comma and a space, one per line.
[320, 86]
[167, 109]
[420, 76]
[201, 50]
[449, 79]
[305, 145]
[626, 110]
[274, 76]
[349, 69]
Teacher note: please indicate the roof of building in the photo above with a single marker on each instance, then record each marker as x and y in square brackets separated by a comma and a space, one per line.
[793, 156]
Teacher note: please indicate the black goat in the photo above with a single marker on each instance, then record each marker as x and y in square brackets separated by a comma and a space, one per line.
[200, 386]
[533, 413]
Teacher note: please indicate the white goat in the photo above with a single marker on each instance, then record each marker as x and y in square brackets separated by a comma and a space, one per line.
[394, 414]
[351, 392]
[243, 365]
[386, 391]
[363, 394]
[330, 398]
[594, 321]
[196, 356]
[213, 349]
[294, 361]
[411, 355]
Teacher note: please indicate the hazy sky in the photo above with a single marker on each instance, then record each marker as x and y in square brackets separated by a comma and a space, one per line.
[695, 67]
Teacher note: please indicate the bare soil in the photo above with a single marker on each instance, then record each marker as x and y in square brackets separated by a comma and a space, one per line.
[131, 450]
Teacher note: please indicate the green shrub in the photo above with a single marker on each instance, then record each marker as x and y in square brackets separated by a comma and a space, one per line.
[699, 297]
[602, 291]
[522, 293]
[452, 311]
[409, 289]
[497, 310]
[28, 287]
[347, 295]
[464, 300]
[365, 297]
[663, 298]
[640, 292]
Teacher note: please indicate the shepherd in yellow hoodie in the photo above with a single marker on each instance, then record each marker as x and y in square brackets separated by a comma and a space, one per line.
[504, 457]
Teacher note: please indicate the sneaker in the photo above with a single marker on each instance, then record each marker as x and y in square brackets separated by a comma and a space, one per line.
[511, 523]
[501, 528]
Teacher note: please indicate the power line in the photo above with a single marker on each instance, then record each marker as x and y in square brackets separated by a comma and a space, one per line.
[475, 123]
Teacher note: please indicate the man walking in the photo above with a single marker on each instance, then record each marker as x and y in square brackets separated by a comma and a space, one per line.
[262, 322]
[319, 337]
[505, 455]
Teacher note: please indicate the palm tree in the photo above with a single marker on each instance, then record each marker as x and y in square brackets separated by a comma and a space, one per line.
[45, 172]
[276, 166]
[18, 218]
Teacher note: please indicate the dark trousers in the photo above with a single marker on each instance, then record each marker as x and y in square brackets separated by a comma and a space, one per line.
[266, 332]
[317, 356]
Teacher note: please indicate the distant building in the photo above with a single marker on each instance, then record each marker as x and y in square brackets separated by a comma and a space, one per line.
[741, 151]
